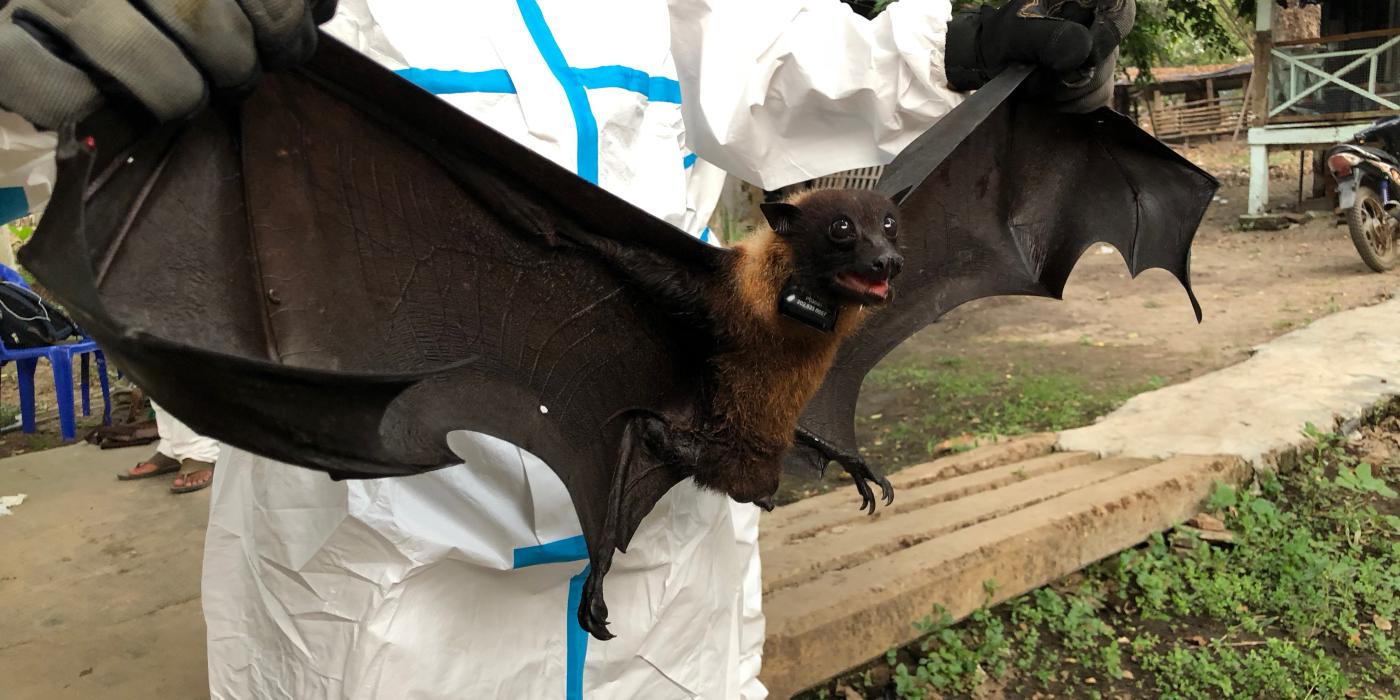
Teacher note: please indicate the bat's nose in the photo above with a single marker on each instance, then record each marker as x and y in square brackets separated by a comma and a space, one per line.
[887, 265]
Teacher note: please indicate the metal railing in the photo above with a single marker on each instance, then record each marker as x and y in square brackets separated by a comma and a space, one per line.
[1342, 76]
[859, 179]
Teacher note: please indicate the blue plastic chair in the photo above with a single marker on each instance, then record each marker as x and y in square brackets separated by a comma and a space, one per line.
[60, 358]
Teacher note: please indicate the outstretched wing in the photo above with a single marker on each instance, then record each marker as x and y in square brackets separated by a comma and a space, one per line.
[342, 269]
[1001, 198]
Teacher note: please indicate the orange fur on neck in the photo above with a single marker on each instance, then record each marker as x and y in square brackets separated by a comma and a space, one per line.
[770, 367]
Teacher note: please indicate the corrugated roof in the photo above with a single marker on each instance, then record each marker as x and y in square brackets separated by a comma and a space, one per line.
[1186, 74]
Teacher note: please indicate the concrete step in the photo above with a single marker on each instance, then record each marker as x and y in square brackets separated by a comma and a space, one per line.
[911, 498]
[845, 546]
[841, 588]
[835, 508]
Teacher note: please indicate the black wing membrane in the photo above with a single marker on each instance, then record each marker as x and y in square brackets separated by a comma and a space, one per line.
[341, 269]
[1002, 198]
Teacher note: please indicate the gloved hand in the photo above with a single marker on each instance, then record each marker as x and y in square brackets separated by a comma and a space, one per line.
[1075, 41]
[59, 58]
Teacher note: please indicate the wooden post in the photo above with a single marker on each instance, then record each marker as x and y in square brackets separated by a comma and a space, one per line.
[1244, 108]
[1263, 58]
[1302, 154]
[1214, 105]
[1152, 113]
[1259, 80]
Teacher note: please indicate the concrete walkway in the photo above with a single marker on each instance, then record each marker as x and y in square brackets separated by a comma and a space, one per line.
[99, 581]
[1327, 373]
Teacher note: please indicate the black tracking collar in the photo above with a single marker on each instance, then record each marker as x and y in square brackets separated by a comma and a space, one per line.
[807, 307]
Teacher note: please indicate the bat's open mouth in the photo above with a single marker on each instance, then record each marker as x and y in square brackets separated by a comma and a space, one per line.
[868, 290]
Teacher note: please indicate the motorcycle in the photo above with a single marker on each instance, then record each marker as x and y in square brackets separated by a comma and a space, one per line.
[1368, 187]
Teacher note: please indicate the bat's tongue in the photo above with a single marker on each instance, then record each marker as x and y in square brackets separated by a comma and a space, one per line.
[879, 288]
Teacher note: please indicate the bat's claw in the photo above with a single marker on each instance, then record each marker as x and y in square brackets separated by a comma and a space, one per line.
[867, 497]
[863, 476]
[592, 611]
[860, 472]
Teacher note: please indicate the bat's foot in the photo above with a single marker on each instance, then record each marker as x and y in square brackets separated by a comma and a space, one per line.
[860, 472]
[592, 611]
[863, 476]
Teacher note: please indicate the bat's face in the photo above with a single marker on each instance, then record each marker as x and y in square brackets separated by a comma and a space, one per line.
[843, 241]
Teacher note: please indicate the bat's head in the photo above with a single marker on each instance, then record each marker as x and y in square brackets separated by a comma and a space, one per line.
[842, 242]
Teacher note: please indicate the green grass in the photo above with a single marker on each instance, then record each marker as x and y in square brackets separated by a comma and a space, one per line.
[1304, 604]
[944, 397]
[951, 396]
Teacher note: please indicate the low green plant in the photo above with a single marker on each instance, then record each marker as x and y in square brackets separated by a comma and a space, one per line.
[1305, 603]
[21, 230]
[1359, 479]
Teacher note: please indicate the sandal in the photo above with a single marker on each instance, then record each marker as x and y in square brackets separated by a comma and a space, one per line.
[110, 437]
[198, 478]
[105, 432]
[158, 464]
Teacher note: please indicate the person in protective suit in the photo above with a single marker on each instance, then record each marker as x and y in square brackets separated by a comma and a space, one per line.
[463, 582]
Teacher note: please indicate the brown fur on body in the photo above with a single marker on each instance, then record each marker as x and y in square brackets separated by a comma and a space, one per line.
[767, 369]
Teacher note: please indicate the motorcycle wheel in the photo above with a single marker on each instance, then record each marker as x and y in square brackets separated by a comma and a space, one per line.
[1373, 231]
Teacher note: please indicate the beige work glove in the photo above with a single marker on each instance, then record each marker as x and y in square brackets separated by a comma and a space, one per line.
[59, 59]
[1076, 41]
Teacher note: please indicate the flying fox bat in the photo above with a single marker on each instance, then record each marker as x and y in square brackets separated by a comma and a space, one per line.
[340, 269]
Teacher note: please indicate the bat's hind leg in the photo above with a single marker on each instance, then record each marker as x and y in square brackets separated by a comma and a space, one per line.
[860, 472]
[592, 609]
[644, 474]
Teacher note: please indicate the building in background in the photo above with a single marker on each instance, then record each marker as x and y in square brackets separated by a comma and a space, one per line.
[1321, 72]
[1188, 104]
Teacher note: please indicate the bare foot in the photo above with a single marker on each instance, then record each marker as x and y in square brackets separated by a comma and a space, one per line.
[194, 480]
[157, 465]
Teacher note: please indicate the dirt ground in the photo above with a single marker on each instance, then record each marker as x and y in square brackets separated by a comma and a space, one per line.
[47, 434]
[99, 580]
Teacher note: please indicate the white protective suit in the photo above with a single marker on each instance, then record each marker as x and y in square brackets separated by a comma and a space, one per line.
[26, 167]
[179, 442]
[463, 583]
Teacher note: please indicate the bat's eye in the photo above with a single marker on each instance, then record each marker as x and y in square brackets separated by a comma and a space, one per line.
[889, 226]
[842, 229]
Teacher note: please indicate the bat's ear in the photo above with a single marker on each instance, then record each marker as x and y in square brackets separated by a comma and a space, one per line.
[781, 216]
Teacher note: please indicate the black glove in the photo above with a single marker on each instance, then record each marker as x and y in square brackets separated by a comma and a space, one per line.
[58, 57]
[1076, 41]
